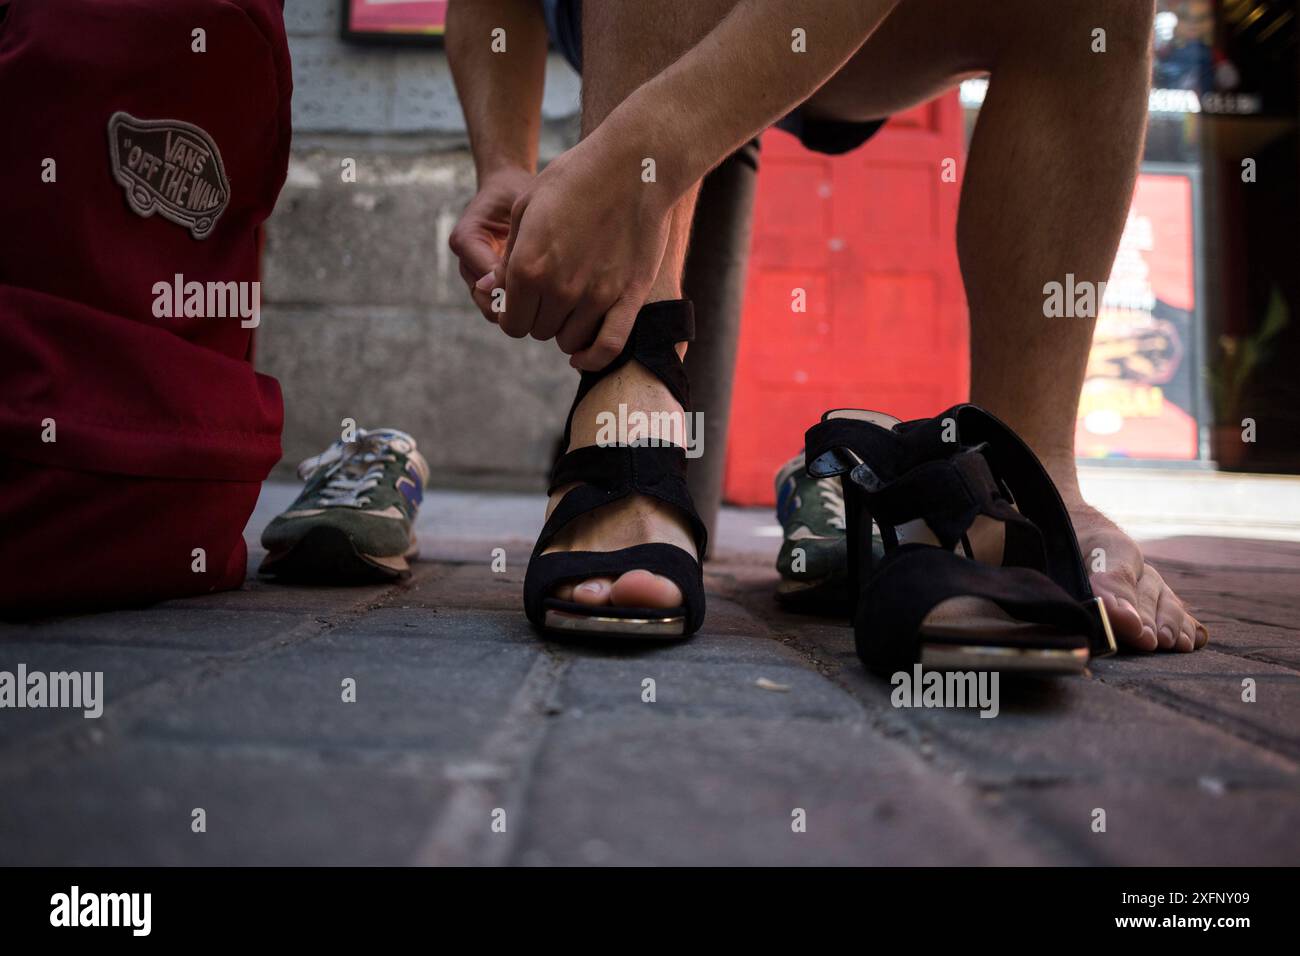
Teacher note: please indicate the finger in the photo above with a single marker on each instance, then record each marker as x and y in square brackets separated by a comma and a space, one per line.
[611, 338]
[515, 275]
[482, 298]
[516, 222]
[552, 312]
[484, 302]
[476, 255]
[580, 328]
[521, 298]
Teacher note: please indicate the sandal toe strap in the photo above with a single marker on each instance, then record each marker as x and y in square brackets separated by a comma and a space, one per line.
[546, 571]
[916, 579]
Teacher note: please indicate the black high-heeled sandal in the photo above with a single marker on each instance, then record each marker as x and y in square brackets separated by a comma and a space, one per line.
[608, 473]
[1021, 600]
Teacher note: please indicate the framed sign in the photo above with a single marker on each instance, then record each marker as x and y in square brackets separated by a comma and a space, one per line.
[402, 22]
[1142, 398]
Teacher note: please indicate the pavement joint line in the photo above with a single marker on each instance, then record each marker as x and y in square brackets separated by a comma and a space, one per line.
[922, 739]
[1208, 652]
[1025, 828]
[900, 730]
[1195, 605]
[1257, 623]
[327, 758]
[499, 777]
[36, 750]
[1260, 655]
[945, 754]
[1216, 720]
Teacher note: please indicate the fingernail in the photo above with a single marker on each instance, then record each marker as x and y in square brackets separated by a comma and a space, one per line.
[590, 587]
[489, 279]
[1167, 638]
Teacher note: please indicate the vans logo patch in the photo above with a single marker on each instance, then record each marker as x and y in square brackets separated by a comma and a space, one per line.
[169, 167]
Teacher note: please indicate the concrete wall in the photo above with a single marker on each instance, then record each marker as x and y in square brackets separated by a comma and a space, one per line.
[365, 315]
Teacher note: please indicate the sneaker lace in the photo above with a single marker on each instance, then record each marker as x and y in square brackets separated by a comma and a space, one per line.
[354, 468]
[832, 496]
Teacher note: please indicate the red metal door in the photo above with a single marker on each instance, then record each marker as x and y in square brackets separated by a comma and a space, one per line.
[870, 239]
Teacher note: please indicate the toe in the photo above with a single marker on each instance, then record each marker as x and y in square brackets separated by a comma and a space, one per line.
[1173, 625]
[594, 591]
[1151, 585]
[1194, 632]
[1118, 592]
[643, 589]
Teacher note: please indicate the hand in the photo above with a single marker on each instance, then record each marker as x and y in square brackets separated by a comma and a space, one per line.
[586, 240]
[479, 239]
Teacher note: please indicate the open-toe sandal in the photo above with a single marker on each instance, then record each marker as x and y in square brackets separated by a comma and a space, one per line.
[606, 473]
[982, 569]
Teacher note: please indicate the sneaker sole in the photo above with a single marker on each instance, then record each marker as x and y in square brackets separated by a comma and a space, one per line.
[329, 556]
[824, 596]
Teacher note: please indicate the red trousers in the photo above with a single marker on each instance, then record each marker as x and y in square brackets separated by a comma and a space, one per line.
[142, 140]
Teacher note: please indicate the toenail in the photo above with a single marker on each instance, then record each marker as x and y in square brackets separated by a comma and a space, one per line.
[1202, 635]
[1167, 634]
[1184, 643]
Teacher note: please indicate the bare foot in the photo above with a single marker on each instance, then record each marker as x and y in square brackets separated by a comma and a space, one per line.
[1144, 612]
[635, 519]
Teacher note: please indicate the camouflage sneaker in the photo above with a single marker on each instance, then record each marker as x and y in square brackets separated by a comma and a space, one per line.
[813, 561]
[354, 521]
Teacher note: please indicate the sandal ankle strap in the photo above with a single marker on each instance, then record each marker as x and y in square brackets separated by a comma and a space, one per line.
[653, 343]
[606, 473]
[948, 495]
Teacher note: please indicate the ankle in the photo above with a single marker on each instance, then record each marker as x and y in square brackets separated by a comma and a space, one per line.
[617, 407]
[1064, 471]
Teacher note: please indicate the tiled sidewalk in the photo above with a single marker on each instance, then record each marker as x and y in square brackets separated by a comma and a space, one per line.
[232, 704]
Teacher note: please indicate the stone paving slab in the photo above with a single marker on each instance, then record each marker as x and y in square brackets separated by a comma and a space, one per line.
[407, 697]
[1212, 687]
[133, 804]
[1161, 825]
[613, 789]
[232, 702]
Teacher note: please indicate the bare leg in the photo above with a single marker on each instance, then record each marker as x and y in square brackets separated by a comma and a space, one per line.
[622, 48]
[1047, 189]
